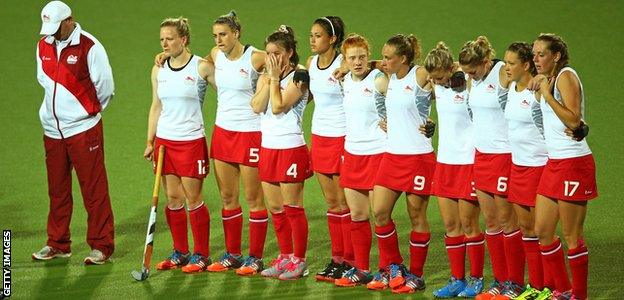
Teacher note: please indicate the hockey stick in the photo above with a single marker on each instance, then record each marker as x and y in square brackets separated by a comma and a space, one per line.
[151, 225]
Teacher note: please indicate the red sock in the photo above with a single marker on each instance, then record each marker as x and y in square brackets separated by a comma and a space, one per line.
[176, 218]
[534, 262]
[283, 232]
[553, 260]
[456, 251]
[200, 226]
[579, 264]
[348, 254]
[475, 246]
[419, 245]
[258, 222]
[232, 229]
[299, 224]
[496, 247]
[362, 240]
[334, 224]
[388, 243]
[514, 256]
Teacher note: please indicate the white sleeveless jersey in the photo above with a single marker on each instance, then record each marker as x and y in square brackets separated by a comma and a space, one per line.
[487, 101]
[329, 116]
[181, 93]
[407, 107]
[455, 137]
[558, 143]
[284, 130]
[236, 84]
[526, 138]
[364, 108]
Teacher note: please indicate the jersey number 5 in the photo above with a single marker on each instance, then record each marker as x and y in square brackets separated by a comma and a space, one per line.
[254, 157]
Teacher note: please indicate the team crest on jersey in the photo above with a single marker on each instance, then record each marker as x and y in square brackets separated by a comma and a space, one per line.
[490, 88]
[367, 92]
[72, 59]
[458, 99]
[408, 89]
[243, 73]
[332, 81]
[189, 80]
[45, 58]
[524, 103]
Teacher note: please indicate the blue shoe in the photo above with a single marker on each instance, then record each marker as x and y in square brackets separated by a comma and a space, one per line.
[451, 289]
[474, 286]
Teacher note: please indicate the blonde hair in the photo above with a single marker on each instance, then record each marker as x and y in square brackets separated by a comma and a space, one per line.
[439, 58]
[181, 26]
[475, 52]
[407, 45]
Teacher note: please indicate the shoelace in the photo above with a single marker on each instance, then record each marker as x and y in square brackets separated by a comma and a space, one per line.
[195, 258]
[249, 261]
[395, 270]
[291, 266]
[349, 273]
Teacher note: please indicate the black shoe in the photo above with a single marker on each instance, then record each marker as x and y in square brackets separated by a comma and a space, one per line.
[329, 273]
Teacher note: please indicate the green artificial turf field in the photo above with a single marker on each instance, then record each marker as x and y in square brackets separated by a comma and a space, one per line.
[129, 31]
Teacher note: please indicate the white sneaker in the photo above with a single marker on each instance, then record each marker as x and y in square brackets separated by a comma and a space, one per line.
[47, 253]
[96, 257]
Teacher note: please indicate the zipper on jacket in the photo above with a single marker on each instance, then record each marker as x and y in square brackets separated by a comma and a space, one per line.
[58, 123]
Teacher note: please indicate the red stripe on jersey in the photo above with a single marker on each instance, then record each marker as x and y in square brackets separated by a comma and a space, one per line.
[72, 71]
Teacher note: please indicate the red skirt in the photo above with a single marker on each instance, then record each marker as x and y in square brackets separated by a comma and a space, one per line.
[358, 171]
[407, 173]
[523, 183]
[453, 181]
[569, 179]
[184, 158]
[284, 165]
[236, 147]
[491, 172]
[326, 153]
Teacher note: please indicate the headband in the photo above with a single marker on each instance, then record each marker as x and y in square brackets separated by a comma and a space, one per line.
[330, 24]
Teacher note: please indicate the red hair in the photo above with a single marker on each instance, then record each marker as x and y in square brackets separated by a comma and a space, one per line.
[354, 40]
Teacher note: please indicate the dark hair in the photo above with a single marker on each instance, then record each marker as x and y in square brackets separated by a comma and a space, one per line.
[407, 45]
[525, 54]
[556, 45]
[334, 26]
[284, 36]
[475, 52]
[439, 58]
[231, 21]
[181, 26]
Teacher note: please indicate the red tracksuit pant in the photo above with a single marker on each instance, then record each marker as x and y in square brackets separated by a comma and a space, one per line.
[83, 152]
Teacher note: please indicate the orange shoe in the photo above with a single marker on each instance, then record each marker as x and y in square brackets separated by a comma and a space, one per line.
[197, 263]
[251, 266]
[495, 289]
[176, 260]
[354, 277]
[397, 275]
[227, 262]
[379, 282]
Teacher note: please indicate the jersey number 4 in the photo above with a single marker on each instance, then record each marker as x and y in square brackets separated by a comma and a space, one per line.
[292, 171]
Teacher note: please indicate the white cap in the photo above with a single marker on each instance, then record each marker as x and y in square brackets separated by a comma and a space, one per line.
[52, 15]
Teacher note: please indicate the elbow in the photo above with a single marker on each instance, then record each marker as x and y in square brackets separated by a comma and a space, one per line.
[277, 110]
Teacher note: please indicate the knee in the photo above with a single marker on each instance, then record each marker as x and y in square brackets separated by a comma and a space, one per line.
[332, 202]
[452, 226]
[544, 234]
[526, 227]
[382, 217]
[357, 215]
[175, 200]
[254, 202]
